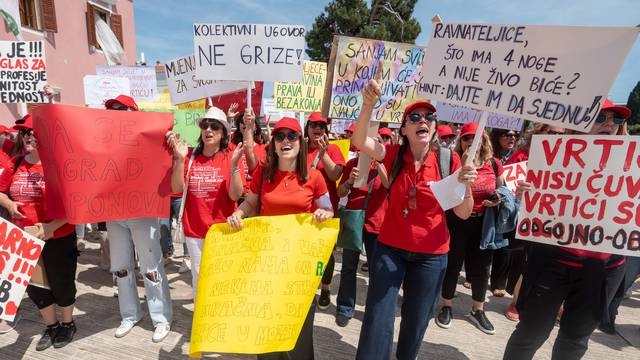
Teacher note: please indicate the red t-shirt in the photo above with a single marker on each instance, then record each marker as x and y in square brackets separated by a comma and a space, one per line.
[7, 146]
[287, 194]
[485, 184]
[207, 200]
[28, 187]
[423, 230]
[518, 156]
[336, 155]
[259, 151]
[377, 206]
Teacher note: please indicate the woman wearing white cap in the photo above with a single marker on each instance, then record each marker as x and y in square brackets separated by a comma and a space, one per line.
[210, 175]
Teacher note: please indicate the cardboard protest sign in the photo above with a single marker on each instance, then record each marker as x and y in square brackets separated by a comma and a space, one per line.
[224, 101]
[272, 114]
[183, 86]
[103, 165]
[586, 193]
[306, 95]
[23, 72]
[256, 285]
[559, 75]
[142, 80]
[354, 61]
[515, 173]
[99, 88]
[19, 253]
[461, 115]
[250, 52]
[184, 123]
[339, 126]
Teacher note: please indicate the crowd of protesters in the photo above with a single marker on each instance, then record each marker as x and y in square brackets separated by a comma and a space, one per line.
[411, 244]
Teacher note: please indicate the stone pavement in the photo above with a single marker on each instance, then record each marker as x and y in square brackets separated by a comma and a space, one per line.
[97, 317]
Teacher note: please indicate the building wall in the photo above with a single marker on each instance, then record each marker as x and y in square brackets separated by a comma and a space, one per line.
[68, 55]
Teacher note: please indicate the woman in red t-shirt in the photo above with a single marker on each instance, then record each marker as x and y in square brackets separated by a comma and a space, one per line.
[249, 133]
[212, 179]
[23, 195]
[286, 185]
[329, 160]
[466, 234]
[414, 240]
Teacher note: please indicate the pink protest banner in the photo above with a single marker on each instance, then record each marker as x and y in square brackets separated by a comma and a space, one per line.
[514, 173]
[19, 253]
[103, 165]
[586, 193]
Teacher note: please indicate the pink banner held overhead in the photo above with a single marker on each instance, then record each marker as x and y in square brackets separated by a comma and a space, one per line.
[103, 165]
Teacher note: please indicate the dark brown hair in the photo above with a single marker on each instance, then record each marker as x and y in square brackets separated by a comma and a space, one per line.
[271, 164]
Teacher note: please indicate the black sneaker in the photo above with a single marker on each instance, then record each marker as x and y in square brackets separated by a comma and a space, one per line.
[608, 328]
[444, 317]
[65, 334]
[324, 300]
[48, 337]
[342, 320]
[480, 320]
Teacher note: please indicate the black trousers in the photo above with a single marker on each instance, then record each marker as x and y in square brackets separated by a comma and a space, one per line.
[60, 258]
[547, 284]
[327, 276]
[465, 248]
[500, 266]
[304, 345]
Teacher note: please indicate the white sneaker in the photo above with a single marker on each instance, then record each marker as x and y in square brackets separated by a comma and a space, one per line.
[185, 266]
[160, 332]
[125, 327]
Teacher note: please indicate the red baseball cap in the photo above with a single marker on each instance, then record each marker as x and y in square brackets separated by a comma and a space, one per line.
[124, 100]
[316, 116]
[470, 129]
[351, 128]
[3, 129]
[445, 130]
[621, 110]
[26, 122]
[287, 123]
[416, 105]
[385, 132]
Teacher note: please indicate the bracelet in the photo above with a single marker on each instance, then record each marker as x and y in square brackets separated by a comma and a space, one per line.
[234, 170]
[348, 185]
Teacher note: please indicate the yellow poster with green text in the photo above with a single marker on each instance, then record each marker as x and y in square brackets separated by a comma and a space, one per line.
[303, 96]
[256, 285]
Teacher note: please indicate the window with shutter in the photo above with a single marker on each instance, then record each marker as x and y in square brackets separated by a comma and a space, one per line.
[29, 14]
[91, 26]
[48, 11]
[116, 27]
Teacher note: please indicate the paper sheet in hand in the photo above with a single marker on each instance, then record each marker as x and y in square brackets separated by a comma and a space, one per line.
[449, 191]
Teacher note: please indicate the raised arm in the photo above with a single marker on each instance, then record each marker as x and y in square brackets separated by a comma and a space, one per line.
[368, 145]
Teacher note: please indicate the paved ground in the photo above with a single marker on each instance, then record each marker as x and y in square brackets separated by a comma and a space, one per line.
[97, 316]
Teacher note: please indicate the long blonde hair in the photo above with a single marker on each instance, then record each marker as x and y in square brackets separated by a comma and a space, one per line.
[485, 152]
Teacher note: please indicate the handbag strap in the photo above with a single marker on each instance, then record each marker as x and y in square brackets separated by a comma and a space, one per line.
[316, 160]
[184, 190]
[366, 199]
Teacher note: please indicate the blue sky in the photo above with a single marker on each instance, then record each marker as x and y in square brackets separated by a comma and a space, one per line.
[164, 32]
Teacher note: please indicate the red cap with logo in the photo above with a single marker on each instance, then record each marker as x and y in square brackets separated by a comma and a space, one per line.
[385, 132]
[316, 116]
[124, 100]
[416, 105]
[621, 110]
[287, 123]
[445, 130]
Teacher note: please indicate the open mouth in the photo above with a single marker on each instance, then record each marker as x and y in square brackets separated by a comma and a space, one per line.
[422, 132]
[286, 148]
[208, 137]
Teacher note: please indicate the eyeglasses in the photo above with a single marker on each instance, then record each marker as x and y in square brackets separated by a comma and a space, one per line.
[467, 138]
[292, 136]
[415, 117]
[510, 135]
[616, 119]
[317, 124]
[213, 125]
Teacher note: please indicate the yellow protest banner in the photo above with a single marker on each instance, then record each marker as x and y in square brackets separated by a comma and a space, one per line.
[164, 102]
[256, 285]
[302, 96]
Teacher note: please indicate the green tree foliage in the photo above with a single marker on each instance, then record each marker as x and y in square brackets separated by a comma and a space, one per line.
[634, 104]
[385, 20]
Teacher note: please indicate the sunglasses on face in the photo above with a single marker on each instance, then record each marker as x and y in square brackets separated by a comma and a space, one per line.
[26, 132]
[511, 135]
[385, 138]
[315, 125]
[213, 125]
[549, 132]
[616, 119]
[415, 117]
[292, 136]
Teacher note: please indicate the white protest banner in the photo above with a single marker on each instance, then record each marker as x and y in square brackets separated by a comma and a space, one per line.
[514, 173]
[586, 193]
[184, 88]
[306, 95]
[23, 72]
[99, 88]
[273, 114]
[142, 79]
[354, 61]
[461, 115]
[19, 253]
[559, 75]
[339, 126]
[249, 52]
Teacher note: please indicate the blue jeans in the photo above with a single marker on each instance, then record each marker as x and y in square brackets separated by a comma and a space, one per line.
[422, 275]
[632, 269]
[143, 233]
[348, 276]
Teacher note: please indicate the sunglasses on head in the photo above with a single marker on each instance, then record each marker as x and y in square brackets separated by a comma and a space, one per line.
[316, 124]
[616, 119]
[213, 125]
[415, 117]
[292, 136]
